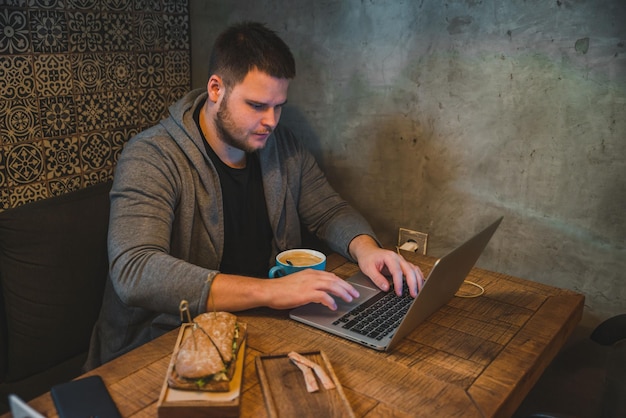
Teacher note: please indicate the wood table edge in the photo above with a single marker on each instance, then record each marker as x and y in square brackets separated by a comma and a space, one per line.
[484, 391]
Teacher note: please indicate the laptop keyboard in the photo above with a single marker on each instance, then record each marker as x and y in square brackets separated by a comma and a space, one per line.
[379, 316]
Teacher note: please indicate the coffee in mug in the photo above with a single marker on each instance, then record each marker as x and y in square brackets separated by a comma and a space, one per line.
[291, 261]
[299, 258]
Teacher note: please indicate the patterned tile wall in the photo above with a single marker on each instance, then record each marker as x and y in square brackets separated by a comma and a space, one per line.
[78, 78]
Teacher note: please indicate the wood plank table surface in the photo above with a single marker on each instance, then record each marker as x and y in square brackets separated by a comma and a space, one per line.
[475, 357]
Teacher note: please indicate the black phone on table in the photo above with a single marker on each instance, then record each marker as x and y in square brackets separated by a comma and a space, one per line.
[84, 398]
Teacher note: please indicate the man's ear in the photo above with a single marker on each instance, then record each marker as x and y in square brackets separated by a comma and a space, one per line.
[215, 86]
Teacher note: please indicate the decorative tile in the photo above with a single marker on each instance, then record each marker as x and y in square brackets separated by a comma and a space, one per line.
[152, 104]
[124, 108]
[16, 77]
[14, 33]
[177, 68]
[58, 116]
[48, 31]
[149, 29]
[95, 151]
[89, 72]
[19, 121]
[78, 79]
[92, 112]
[118, 32]
[54, 75]
[121, 72]
[150, 69]
[24, 164]
[86, 33]
[61, 157]
[176, 32]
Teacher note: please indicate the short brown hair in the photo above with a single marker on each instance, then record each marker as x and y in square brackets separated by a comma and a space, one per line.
[246, 46]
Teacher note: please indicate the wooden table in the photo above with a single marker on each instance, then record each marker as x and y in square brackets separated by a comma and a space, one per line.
[474, 357]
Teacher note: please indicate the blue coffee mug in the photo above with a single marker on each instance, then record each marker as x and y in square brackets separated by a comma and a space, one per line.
[291, 261]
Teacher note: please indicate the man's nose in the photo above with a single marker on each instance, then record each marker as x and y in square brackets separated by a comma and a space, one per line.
[271, 117]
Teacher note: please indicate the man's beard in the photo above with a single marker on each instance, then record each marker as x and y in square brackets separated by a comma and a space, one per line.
[226, 129]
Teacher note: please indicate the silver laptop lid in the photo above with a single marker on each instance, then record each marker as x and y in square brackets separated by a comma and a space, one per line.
[444, 280]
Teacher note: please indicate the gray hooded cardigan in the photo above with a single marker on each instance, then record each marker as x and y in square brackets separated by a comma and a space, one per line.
[166, 230]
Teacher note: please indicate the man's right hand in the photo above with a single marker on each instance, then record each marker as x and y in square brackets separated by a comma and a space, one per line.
[236, 293]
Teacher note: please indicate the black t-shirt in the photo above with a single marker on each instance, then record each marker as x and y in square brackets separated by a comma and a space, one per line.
[247, 229]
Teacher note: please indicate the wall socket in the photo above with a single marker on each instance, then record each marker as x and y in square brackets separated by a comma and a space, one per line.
[415, 241]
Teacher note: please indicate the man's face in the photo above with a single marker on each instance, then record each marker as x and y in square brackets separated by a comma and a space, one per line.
[249, 111]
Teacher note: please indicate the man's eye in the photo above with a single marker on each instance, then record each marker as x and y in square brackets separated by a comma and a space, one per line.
[257, 106]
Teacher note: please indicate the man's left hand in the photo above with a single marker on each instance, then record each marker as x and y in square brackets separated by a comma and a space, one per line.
[376, 263]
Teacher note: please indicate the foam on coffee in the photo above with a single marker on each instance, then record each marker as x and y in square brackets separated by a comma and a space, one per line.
[300, 259]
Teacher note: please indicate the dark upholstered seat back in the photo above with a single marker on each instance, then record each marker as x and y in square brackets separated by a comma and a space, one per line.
[53, 266]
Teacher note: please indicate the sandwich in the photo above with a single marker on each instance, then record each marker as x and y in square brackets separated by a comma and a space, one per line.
[206, 357]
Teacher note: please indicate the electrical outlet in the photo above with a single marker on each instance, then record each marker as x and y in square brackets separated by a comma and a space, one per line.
[414, 241]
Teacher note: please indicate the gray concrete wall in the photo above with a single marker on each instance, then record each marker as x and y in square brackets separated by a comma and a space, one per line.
[441, 116]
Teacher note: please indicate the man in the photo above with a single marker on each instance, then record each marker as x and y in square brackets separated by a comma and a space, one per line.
[202, 203]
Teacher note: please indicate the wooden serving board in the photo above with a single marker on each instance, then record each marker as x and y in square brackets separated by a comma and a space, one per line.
[285, 393]
[175, 403]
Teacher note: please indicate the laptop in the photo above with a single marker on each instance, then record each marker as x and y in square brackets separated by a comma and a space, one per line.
[383, 334]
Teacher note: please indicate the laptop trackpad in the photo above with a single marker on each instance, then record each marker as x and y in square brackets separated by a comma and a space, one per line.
[319, 313]
[362, 280]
